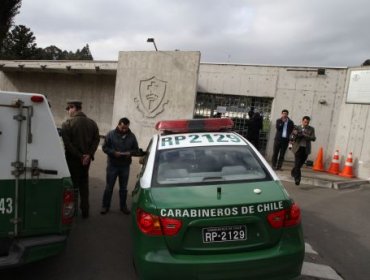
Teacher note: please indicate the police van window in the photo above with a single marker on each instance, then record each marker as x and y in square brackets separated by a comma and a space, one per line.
[204, 165]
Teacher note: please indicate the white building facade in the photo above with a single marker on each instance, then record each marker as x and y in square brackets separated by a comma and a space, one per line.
[336, 99]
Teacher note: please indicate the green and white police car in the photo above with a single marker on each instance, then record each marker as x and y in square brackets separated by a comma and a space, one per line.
[208, 206]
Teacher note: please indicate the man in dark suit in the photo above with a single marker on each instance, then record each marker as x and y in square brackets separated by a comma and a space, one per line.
[255, 125]
[302, 135]
[284, 127]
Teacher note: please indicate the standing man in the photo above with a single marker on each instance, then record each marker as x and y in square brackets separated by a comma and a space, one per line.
[81, 139]
[302, 136]
[284, 127]
[119, 145]
[255, 125]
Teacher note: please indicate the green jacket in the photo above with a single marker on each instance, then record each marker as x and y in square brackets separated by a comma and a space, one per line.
[80, 136]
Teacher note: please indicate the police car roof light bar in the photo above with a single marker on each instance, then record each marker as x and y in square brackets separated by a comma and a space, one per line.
[194, 125]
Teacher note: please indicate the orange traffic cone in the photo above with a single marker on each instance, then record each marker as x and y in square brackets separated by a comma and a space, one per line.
[347, 170]
[334, 166]
[318, 165]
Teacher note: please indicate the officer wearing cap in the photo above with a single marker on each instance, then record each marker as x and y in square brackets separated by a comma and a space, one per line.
[80, 135]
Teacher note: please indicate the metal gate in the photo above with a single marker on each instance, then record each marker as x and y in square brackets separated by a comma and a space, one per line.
[237, 108]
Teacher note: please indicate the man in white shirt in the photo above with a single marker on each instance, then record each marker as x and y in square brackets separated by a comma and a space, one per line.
[284, 127]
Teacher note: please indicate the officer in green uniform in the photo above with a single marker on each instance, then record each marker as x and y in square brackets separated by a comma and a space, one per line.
[81, 139]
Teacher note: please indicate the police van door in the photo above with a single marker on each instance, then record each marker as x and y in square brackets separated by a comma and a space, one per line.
[32, 169]
[12, 159]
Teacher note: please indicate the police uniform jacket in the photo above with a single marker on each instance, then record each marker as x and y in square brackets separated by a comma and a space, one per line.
[115, 141]
[80, 136]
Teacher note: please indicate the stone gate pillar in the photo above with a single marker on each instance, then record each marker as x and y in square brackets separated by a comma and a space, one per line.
[153, 86]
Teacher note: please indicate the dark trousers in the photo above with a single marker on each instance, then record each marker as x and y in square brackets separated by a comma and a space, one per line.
[300, 158]
[255, 142]
[122, 172]
[280, 147]
[80, 180]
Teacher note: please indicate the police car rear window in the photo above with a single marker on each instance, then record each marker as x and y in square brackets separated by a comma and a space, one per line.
[207, 164]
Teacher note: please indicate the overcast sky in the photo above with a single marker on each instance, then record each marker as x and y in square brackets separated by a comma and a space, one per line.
[272, 32]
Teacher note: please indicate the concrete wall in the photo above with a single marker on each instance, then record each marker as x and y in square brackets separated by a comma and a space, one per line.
[238, 79]
[95, 91]
[6, 84]
[153, 86]
[353, 133]
[299, 89]
[318, 96]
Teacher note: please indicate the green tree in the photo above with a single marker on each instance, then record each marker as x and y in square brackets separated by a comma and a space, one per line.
[20, 44]
[85, 53]
[52, 53]
[366, 62]
[68, 55]
[8, 10]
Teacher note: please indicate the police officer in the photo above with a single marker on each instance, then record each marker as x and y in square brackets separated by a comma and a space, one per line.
[81, 139]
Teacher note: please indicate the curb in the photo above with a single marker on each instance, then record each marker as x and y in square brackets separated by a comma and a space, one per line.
[308, 181]
[349, 184]
[324, 183]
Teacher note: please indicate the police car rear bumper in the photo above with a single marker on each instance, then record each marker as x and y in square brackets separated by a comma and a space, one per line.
[282, 261]
[277, 267]
[31, 249]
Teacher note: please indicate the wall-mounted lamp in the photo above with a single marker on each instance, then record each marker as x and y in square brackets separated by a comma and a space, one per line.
[151, 40]
[321, 71]
[322, 101]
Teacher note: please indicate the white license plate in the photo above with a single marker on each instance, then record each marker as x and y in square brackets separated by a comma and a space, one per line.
[224, 233]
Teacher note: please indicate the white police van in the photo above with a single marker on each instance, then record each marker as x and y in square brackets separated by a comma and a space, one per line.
[37, 202]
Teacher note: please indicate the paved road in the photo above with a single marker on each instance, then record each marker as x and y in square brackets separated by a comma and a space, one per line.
[99, 248]
[336, 223]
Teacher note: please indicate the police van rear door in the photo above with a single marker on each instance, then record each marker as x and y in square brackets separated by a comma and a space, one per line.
[13, 157]
[33, 172]
[47, 175]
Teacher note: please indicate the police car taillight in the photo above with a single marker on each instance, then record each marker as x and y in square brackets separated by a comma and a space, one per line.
[68, 208]
[293, 216]
[286, 218]
[37, 98]
[194, 125]
[154, 225]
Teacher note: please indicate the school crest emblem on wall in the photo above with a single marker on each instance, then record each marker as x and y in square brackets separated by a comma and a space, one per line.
[151, 99]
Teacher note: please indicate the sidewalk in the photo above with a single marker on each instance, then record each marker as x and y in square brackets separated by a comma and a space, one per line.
[319, 179]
